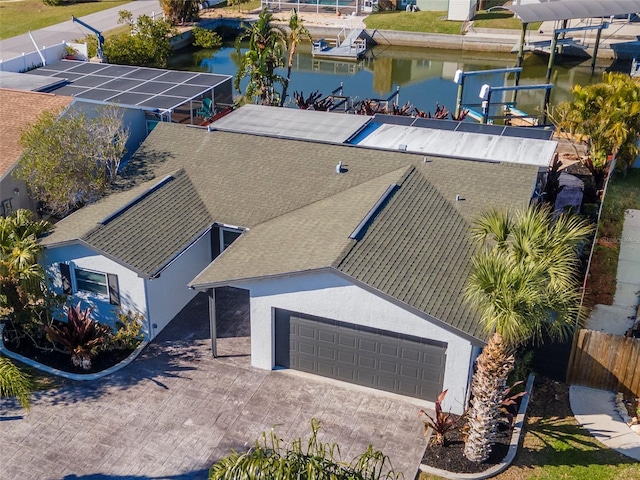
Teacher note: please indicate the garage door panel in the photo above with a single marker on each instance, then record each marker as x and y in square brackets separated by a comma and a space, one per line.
[327, 337]
[347, 340]
[357, 354]
[347, 357]
[327, 353]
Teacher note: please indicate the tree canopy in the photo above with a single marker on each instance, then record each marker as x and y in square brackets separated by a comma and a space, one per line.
[267, 46]
[524, 279]
[70, 160]
[147, 43]
[605, 116]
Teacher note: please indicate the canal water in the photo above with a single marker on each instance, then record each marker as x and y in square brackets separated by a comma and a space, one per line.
[424, 75]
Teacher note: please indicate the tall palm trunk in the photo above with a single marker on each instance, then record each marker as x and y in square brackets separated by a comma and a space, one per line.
[488, 388]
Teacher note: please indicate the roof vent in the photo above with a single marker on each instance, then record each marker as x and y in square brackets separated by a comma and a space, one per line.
[402, 147]
[339, 167]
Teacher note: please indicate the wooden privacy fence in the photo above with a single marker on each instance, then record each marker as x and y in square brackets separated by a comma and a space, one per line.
[605, 361]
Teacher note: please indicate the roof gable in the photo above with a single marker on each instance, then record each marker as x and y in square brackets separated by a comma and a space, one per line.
[417, 251]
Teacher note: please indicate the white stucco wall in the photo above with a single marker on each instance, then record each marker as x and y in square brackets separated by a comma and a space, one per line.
[131, 286]
[461, 10]
[331, 296]
[168, 294]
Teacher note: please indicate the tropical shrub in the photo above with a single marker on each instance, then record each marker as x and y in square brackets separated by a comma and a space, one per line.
[127, 334]
[81, 336]
[206, 38]
[509, 406]
[273, 459]
[441, 423]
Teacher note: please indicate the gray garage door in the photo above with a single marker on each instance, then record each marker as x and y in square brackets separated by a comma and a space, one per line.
[374, 358]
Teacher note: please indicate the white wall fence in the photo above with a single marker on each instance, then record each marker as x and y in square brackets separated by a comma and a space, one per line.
[340, 7]
[45, 56]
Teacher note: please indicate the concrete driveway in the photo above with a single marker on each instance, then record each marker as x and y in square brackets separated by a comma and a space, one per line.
[175, 411]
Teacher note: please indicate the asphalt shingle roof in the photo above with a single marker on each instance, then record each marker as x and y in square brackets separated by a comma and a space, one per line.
[300, 212]
[417, 251]
[155, 228]
[18, 111]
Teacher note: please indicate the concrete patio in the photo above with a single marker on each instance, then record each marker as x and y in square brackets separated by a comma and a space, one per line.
[176, 410]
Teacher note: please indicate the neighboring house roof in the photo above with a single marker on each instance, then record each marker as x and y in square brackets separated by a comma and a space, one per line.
[18, 111]
[302, 215]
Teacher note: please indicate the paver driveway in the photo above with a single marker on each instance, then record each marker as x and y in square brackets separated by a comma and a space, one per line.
[176, 410]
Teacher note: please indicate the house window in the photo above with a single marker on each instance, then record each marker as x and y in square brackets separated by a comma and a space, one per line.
[97, 283]
[92, 282]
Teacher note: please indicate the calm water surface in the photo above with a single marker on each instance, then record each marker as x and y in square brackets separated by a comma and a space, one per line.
[425, 76]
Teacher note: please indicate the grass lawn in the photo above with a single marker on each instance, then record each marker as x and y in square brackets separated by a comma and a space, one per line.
[622, 193]
[425, 22]
[433, 22]
[21, 16]
[556, 448]
[501, 19]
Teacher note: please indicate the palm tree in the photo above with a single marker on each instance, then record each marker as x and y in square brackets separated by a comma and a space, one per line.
[606, 116]
[14, 382]
[21, 280]
[21, 277]
[297, 34]
[267, 44]
[524, 284]
[271, 458]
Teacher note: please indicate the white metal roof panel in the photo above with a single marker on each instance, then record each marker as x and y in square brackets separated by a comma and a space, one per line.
[568, 9]
[446, 143]
[292, 123]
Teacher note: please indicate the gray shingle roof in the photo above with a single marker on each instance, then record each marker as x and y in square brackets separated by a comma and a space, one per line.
[417, 251]
[300, 213]
[156, 228]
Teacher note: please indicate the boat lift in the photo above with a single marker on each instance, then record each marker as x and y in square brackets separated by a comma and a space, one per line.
[459, 79]
[487, 90]
[100, 50]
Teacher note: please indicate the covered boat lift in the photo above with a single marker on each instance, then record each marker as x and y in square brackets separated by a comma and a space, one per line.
[564, 11]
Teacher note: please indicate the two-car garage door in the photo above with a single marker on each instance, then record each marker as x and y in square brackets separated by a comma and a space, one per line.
[374, 358]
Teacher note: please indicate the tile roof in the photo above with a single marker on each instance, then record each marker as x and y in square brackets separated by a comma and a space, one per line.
[18, 111]
[300, 213]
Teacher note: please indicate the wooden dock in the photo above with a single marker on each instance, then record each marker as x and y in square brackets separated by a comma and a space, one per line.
[346, 46]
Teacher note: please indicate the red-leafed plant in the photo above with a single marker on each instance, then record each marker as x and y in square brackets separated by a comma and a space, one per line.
[81, 336]
[510, 403]
[441, 423]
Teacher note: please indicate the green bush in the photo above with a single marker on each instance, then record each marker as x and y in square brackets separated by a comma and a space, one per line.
[206, 38]
[128, 333]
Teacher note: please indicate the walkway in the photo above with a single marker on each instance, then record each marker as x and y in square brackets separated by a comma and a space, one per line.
[69, 31]
[595, 409]
[618, 317]
[176, 410]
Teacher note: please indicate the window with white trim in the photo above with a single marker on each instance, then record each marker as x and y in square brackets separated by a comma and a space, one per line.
[92, 282]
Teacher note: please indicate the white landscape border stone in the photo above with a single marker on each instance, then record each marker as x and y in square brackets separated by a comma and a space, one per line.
[70, 376]
[511, 453]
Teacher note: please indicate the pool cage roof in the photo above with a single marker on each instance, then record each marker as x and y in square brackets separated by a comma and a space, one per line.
[152, 89]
